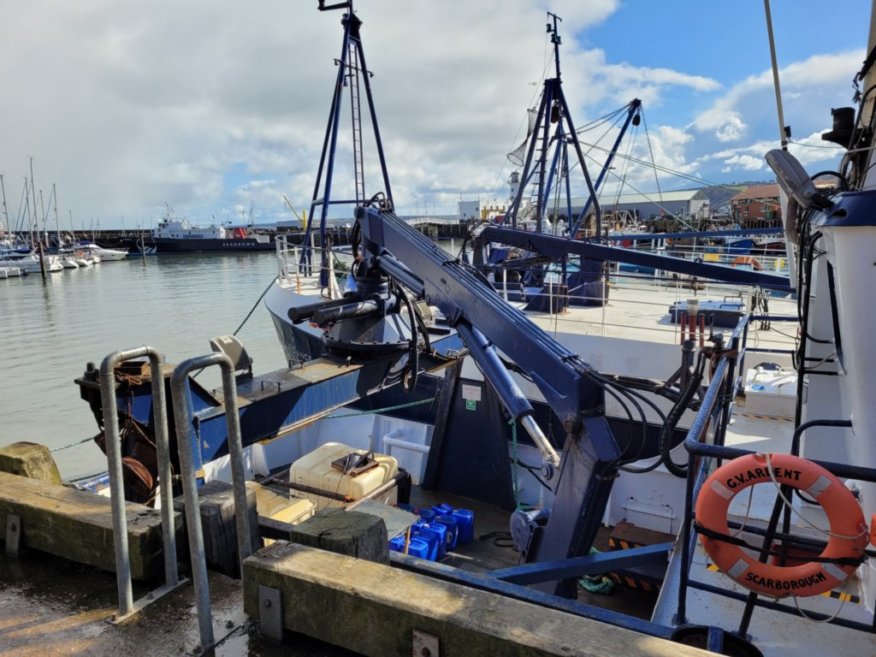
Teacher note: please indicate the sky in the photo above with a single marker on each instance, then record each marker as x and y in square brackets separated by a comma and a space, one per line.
[218, 109]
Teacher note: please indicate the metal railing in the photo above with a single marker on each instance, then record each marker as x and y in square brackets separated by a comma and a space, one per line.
[706, 448]
[127, 607]
[290, 274]
[180, 395]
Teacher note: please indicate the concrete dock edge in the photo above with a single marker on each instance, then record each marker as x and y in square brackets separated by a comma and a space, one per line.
[374, 610]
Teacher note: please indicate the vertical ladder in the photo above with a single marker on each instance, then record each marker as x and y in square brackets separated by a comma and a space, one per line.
[539, 170]
[356, 110]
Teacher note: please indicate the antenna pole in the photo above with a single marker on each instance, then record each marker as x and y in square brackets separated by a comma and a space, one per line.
[783, 134]
[555, 38]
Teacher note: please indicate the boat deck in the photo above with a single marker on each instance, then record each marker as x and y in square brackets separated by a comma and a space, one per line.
[638, 309]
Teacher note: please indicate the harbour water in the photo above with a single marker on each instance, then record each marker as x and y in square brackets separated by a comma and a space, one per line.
[174, 303]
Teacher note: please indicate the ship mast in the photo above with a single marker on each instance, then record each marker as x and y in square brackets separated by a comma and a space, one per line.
[553, 110]
[354, 75]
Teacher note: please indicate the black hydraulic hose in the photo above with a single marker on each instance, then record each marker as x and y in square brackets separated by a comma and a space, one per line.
[643, 419]
[662, 416]
[355, 239]
[674, 415]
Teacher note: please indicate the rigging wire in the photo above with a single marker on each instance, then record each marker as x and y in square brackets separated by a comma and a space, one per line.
[626, 169]
[649, 198]
[651, 152]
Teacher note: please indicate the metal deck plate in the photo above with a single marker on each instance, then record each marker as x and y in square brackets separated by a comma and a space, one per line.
[270, 613]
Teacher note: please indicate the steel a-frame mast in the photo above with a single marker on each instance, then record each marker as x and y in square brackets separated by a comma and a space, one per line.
[354, 75]
[552, 110]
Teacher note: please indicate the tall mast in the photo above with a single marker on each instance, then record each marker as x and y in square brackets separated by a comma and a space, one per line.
[555, 39]
[45, 217]
[27, 212]
[5, 209]
[537, 171]
[57, 222]
[39, 240]
[353, 74]
[33, 193]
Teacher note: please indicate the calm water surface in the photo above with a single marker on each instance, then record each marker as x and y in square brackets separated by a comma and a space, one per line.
[175, 303]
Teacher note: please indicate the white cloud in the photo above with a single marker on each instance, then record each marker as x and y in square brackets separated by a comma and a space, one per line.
[725, 123]
[809, 89]
[128, 106]
[212, 105]
[744, 163]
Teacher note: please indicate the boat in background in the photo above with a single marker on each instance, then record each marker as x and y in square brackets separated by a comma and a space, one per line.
[102, 254]
[30, 262]
[69, 260]
[173, 235]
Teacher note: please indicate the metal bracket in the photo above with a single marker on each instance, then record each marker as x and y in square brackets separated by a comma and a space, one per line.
[13, 535]
[270, 613]
[146, 600]
[425, 645]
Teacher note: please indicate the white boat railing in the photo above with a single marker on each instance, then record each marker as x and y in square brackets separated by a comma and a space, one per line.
[289, 273]
[771, 262]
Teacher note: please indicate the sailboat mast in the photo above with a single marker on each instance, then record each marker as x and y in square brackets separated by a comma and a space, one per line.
[45, 219]
[57, 221]
[27, 212]
[33, 194]
[5, 209]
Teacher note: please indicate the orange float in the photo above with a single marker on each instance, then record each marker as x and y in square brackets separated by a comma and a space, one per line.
[754, 263]
[848, 534]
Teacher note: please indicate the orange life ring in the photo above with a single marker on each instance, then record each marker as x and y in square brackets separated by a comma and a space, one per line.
[754, 263]
[848, 530]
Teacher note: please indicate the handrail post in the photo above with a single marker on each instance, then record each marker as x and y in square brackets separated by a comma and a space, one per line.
[114, 466]
[181, 410]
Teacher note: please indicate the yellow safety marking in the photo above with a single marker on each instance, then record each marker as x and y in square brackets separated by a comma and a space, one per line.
[764, 417]
[633, 583]
[844, 597]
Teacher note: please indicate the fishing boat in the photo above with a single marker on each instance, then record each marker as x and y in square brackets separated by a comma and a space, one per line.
[745, 385]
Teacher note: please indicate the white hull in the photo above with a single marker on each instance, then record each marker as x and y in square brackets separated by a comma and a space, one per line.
[101, 254]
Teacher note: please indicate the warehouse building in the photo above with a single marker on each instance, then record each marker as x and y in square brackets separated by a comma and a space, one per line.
[685, 203]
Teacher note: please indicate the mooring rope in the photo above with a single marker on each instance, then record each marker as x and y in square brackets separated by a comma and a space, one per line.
[79, 442]
[254, 306]
[385, 409]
